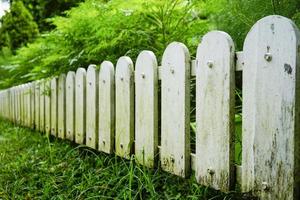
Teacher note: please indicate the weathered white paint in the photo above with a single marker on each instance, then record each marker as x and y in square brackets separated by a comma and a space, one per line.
[215, 85]
[271, 139]
[70, 106]
[146, 109]
[47, 107]
[124, 107]
[80, 106]
[37, 105]
[53, 101]
[61, 106]
[92, 107]
[106, 107]
[175, 108]
[42, 106]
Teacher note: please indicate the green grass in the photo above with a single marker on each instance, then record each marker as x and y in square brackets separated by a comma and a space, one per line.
[33, 167]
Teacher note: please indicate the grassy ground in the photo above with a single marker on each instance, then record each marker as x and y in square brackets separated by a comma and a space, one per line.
[35, 167]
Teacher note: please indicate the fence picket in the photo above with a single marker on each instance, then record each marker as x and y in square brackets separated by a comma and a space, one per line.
[37, 105]
[48, 107]
[215, 83]
[32, 105]
[42, 106]
[146, 108]
[70, 105]
[106, 107]
[80, 106]
[92, 107]
[271, 139]
[124, 107]
[61, 106]
[54, 106]
[175, 108]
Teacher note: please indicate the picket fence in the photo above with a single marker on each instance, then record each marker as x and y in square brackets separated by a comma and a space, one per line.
[116, 110]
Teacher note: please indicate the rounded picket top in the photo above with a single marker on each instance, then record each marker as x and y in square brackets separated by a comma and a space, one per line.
[80, 96]
[146, 108]
[124, 135]
[124, 69]
[106, 69]
[106, 107]
[91, 107]
[215, 81]
[70, 105]
[270, 78]
[175, 126]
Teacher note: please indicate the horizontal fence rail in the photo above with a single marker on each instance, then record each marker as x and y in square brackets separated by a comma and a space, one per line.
[143, 109]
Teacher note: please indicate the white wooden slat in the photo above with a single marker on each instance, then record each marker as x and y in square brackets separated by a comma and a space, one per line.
[61, 106]
[32, 105]
[47, 107]
[80, 106]
[215, 101]
[271, 139]
[92, 107]
[26, 105]
[21, 105]
[54, 106]
[175, 108]
[37, 105]
[146, 109]
[42, 106]
[124, 135]
[106, 107]
[70, 106]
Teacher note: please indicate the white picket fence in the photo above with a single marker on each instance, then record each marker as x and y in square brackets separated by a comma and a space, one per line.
[115, 110]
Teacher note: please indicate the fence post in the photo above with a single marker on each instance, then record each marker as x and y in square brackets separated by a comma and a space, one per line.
[106, 107]
[80, 106]
[70, 105]
[271, 92]
[124, 107]
[92, 107]
[175, 110]
[54, 106]
[215, 96]
[61, 106]
[146, 108]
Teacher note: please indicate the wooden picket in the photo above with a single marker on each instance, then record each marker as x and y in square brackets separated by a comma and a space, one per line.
[91, 107]
[61, 106]
[37, 105]
[175, 108]
[32, 105]
[271, 145]
[124, 107]
[70, 105]
[146, 108]
[215, 111]
[54, 106]
[106, 107]
[42, 106]
[80, 99]
[47, 105]
[116, 111]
